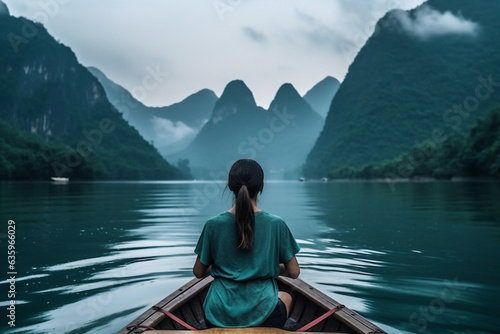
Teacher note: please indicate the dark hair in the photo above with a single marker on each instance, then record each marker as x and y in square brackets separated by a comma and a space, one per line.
[245, 180]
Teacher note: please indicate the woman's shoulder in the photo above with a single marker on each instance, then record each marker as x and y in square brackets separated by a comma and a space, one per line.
[270, 217]
[220, 218]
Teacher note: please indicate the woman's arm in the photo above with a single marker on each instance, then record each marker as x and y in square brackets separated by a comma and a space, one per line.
[199, 269]
[290, 269]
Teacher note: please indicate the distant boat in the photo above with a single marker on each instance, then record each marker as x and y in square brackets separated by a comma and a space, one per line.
[312, 311]
[325, 179]
[60, 179]
[302, 179]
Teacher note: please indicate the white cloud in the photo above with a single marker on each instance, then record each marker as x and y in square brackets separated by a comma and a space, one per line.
[428, 22]
[168, 132]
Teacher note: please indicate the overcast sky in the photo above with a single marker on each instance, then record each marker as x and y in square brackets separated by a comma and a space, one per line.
[200, 44]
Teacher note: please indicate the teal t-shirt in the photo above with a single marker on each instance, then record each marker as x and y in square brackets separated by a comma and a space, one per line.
[244, 292]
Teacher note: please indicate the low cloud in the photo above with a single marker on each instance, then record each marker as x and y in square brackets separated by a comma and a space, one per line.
[317, 32]
[254, 34]
[427, 22]
[169, 132]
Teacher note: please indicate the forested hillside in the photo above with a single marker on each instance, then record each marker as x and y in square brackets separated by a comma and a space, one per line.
[45, 91]
[423, 73]
[471, 155]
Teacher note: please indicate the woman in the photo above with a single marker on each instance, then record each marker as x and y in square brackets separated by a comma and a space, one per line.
[245, 249]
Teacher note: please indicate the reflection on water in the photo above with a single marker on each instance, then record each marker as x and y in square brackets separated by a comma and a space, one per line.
[93, 256]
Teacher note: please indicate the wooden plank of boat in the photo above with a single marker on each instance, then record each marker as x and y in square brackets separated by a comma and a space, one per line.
[186, 304]
[250, 330]
[345, 315]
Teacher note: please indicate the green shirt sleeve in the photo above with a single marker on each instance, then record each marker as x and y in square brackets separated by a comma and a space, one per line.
[203, 247]
[288, 245]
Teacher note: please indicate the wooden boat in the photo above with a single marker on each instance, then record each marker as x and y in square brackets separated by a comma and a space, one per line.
[312, 311]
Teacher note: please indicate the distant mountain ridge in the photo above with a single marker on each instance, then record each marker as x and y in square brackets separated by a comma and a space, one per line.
[236, 97]
[44, 90]
[170, 128]
[234, 117]
[279, 138]
[320, 96]
[416, 80]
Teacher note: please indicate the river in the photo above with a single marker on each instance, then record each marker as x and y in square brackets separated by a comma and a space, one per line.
[411, 257]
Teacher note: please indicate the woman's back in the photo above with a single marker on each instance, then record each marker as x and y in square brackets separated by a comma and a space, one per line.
[244, 292]
[243, 249]
[273, 244]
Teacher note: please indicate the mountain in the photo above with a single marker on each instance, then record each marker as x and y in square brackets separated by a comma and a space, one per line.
[279, 138]
[235, 116]
[44, 91]
[4, 10]
[300, 128]
[194, 110]
[422, 74]
[170, 128]
[321, 95]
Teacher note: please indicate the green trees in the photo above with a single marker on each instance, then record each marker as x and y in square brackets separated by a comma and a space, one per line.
[24, 156]
[476, 154]
[481, 154]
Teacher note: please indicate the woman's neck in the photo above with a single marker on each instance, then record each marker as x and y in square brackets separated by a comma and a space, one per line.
[254, 207]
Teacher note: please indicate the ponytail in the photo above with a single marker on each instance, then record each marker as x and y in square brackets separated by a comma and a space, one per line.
[246, 181]
[245, 218]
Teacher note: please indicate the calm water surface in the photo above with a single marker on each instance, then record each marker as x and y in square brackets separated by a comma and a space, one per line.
[91, 257]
